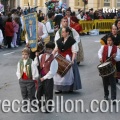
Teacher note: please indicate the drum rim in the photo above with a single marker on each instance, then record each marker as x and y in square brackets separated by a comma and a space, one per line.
[102, 63]
[109, 73]
[69, 65]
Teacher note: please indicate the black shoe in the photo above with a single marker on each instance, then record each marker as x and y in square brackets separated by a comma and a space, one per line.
[40, 105]
[113, 101]
[48, 110]
[116, 80]
[106, 98]
[58, 92]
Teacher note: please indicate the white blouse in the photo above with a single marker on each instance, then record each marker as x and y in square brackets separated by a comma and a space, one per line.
[1, 37]
[76, 36]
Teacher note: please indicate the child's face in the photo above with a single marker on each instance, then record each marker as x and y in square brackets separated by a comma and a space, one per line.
[114, 30]
[109, 42]
[25, 56]
[49, 50]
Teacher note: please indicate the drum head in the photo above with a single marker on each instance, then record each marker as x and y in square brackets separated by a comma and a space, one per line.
[103, 64]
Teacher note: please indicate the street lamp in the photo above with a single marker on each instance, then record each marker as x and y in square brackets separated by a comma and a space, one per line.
[85, 3]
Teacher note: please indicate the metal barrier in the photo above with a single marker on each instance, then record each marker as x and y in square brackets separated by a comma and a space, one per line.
[103, 25]
[87, 25]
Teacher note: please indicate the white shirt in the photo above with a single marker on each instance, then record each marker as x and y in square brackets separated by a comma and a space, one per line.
[34, 69]
[53, 67]
[1, 37]
[79, 17]
[68, 21]
[48, 27]
[117, 58]
[76, 36]
[22, 22]
[45, 34]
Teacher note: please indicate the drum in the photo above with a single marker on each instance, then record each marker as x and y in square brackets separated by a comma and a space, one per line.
[63, 65]
[106, 69]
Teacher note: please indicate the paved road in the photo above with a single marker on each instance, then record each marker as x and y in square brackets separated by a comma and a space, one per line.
[91, 82]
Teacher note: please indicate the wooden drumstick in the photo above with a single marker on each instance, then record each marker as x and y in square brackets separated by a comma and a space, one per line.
[108, 59]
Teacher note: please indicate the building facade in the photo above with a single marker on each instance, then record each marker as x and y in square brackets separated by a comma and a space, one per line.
[74, 4]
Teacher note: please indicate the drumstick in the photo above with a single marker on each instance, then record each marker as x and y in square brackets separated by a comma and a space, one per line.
[108, 59]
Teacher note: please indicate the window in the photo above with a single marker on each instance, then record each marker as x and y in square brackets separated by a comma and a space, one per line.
[118, 3]
[77, 2]
[107, 3]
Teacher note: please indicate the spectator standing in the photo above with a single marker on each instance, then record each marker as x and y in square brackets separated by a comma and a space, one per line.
[16, 28]
[91, 13]
[1, 24]
[1, 38]
[9, 31]
[58, 18]
[80, 16]
[86, 16]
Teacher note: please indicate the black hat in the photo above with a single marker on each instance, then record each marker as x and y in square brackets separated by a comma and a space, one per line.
[50, 45]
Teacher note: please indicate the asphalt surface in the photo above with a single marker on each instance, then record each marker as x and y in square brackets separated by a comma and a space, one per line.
[91, 83]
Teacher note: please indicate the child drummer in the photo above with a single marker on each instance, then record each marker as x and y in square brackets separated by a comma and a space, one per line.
[49, 67]
[105, 52]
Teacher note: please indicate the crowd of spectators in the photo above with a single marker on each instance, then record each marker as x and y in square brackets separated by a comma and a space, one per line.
[12, 25]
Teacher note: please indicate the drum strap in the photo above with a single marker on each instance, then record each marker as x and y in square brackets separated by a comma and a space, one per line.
[45, 64]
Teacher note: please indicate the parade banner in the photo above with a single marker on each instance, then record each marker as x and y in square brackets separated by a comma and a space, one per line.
[31, 29]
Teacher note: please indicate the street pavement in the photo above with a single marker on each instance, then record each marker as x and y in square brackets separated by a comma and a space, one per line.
[91, 86]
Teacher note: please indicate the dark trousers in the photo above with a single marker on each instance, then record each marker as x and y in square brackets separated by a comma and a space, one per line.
[52, 38]
[45, 88]
[106, 80]
[27, 89]
[8, 41]
[19, 36]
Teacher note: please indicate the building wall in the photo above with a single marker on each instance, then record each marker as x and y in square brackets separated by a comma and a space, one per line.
[74, 4]
[96, 4]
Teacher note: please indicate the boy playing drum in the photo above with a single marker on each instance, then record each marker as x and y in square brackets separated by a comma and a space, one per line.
[105, 52]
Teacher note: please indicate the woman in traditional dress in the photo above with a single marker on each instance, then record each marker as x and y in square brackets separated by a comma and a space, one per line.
[68, 48]
[75, 25]
[114, 33]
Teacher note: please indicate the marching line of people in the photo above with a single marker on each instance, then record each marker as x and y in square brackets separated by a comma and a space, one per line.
[64, 41]
[38, 71]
